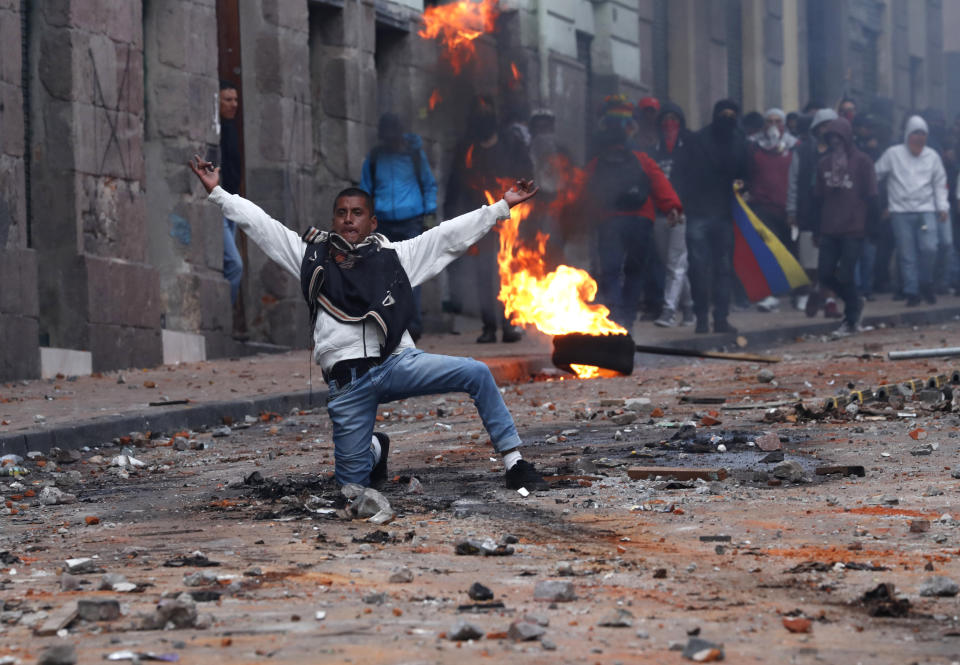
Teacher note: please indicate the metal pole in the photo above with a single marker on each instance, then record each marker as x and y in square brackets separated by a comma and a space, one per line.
[924, 353]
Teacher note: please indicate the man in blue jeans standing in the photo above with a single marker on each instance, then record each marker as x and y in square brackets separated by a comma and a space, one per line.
[919, 211]
[397, 175]
[358, 287]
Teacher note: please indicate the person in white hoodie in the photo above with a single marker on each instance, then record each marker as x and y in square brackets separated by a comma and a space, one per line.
[359, 288]
[919, 211]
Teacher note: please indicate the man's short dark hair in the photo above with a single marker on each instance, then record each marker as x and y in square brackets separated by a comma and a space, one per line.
[354, 191]
[227, 85]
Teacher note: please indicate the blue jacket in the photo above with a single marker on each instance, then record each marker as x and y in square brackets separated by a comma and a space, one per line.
[396, 194]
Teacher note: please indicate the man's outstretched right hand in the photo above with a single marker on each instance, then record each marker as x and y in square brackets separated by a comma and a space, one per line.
[209, 176]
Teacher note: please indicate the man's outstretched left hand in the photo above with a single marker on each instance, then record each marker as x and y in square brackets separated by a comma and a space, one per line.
[521, 191]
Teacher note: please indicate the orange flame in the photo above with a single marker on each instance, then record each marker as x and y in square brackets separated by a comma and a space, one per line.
[557, 302]
[469, 160]
[516, 72]
[435, 99]
[456, 25]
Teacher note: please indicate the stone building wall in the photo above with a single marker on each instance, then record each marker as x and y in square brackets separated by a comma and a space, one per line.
[97, 290]
[19, 354]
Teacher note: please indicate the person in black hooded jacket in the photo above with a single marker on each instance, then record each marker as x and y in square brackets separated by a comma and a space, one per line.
[670, 238]
[705, 171]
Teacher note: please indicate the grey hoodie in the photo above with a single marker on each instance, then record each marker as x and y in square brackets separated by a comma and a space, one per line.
[914, 184]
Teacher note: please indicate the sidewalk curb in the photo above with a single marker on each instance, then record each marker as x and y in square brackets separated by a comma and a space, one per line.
[766, 338]
[171, 419]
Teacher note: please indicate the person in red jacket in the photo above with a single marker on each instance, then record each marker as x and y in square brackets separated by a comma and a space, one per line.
[625, 189]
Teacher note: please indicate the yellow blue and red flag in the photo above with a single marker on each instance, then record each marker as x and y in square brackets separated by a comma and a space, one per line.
[765, 267]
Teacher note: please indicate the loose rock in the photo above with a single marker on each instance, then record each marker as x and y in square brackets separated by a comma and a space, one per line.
[702, 651]
[479, 592]
[618, 618]
[402, 575]
[789, 470]
[525, 631]
[939, 586]
[555, 591]
[98, 609]
[58, 654]
[463, 631]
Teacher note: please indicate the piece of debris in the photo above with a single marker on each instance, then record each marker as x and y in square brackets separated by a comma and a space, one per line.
[618, 618]
[58, 654]
[83, 566]
[797, 624]
[486, 547]
[554, 591]
[463, 631]
[98, 609]
[374, 598]
[844, 469]
[765, 376]
[881, 602]
[768, 442]
[179, 612]
[57, 621]
[939, 586]
[200, 578]
[702, 651]
[523, 630]
[51, 496]
[368, 503]
[140, 656]
[479, 592]
[401, 575]
[789, 470]
[197, 559]
[919, 526]
[677, 473]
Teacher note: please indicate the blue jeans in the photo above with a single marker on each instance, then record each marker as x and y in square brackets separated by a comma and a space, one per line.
[623, 244]
[916, 235]
[710, 257]
[405, 230]
[410, 373]
[836, 270]
[232, 263]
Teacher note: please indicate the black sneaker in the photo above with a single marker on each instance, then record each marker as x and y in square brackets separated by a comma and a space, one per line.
[512, 334]
[723, 327]
[488, 337]
[378, 477]
[523, 474]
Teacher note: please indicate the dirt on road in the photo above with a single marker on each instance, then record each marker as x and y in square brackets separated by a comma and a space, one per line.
[810, 535]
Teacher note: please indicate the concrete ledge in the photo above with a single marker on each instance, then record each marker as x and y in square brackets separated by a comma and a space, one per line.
[160, 419]
[67, 362]
[173, 418]
[183, 347]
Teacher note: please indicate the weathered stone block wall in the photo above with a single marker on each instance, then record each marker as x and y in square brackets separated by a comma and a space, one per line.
[88, 180]
[185, 232]
[279, 155]
[19, 354]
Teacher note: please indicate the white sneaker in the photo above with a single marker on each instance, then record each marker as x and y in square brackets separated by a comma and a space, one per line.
[769, 304]
[668, 319]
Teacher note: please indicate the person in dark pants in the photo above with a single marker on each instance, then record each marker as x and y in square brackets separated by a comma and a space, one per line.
[478, 164]
[397, 174]
[846, 191]
[706, 169]
[626, 188]
[231, 165]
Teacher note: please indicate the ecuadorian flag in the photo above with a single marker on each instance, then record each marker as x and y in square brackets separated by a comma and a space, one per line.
[763, 264]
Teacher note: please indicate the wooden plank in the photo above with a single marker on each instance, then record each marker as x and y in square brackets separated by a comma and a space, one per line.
[845, 469]
[60, 618]
[676, 472]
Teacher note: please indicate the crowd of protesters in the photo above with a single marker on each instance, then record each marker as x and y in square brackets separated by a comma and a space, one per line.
[863, 208]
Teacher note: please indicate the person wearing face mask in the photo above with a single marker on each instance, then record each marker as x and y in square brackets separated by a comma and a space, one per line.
[704, 173]
[846, 194]
[917, 200]
[671, 239]
[802, 213]
[478, 162]
[768, 182]
[847, 108]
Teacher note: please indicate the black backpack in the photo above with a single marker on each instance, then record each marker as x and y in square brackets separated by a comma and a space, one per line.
[619, 182]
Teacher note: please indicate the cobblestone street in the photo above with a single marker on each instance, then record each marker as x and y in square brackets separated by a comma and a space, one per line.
[652, 564]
